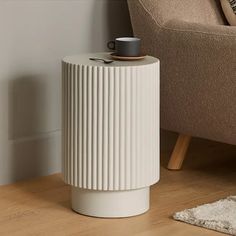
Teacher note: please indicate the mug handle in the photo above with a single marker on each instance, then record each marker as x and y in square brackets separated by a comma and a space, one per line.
[111, 45]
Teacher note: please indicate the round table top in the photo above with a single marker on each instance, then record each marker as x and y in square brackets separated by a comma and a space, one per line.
[83, 59]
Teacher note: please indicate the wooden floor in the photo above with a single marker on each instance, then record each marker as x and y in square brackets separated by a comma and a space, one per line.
[42, 206]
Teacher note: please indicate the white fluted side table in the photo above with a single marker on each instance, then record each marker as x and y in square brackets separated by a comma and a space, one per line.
[110, 134]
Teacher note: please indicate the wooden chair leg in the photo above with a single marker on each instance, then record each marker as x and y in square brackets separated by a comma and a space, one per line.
[179, 152]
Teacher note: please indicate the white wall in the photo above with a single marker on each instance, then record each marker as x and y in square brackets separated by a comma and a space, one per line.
[34, 36]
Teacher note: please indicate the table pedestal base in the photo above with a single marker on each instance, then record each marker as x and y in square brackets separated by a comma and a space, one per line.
[110, 203]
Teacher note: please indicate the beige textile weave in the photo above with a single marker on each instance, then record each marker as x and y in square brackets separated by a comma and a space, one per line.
[197, 51]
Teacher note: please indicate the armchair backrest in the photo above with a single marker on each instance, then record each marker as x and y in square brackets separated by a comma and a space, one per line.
[199, 11]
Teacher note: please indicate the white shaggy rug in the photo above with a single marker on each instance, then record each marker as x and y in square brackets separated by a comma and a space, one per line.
[219, 216]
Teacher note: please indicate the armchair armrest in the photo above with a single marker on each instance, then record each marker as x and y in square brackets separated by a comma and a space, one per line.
[196, 44]
[198, 80]
[200, 29]
[204, 38]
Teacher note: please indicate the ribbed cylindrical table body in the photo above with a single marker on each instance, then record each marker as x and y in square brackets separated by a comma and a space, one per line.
[110, 126]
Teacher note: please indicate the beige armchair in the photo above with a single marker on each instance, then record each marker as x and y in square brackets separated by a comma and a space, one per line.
[198, 67]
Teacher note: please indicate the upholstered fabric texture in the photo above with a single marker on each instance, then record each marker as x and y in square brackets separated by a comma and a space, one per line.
[198, 64]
